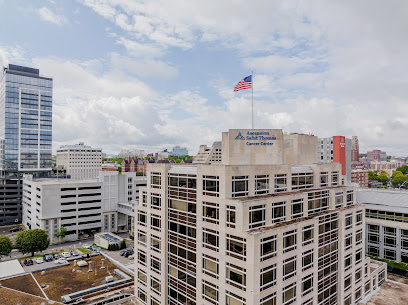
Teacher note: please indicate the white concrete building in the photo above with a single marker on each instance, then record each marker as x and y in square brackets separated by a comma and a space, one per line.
[386, 223]
[209, 155]
[80, 161]
[267, 225]
[83, 207]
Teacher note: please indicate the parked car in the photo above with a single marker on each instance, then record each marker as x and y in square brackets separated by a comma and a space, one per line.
[123, 252]
[47, 257]
[15, 229]
[74, 253]
[93, 247]
[65, 254]
[127, 254]
[132, 256]
[86, 246]
[39, 260]
[61, 261]
[28, 261]
[56, 256]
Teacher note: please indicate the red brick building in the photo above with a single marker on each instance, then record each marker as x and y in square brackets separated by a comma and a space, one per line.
[360, 177]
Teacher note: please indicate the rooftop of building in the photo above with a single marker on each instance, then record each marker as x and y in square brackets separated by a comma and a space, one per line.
[383, 199]
[50, 181]
[391, 292]
[25, 71]
[296, 220]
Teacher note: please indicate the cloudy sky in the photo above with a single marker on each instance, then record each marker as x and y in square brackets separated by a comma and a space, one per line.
[152, 74]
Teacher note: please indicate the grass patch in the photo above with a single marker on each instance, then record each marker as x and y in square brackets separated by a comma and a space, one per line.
[84, 251]
[396, 265]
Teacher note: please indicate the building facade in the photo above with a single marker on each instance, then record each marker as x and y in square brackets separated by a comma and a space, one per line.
[359, 177]
[376, 155]
[83, 207]
[355, 151]
[179, 151]
[25, 134]
[264, 226]
[80, 161]
[386, 223]
[336, 149]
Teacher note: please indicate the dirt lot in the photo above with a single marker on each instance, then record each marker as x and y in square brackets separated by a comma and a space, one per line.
[23, 283]
[11, 297]
[63, 281]
[390, 293]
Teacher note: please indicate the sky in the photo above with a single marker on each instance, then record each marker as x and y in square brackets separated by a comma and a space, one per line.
[152, 74]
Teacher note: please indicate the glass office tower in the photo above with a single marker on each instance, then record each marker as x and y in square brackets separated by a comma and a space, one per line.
[25, 134]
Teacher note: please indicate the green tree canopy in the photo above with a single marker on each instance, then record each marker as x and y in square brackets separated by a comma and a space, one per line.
[372, 175]
[5, 245]
[62, 232]
[398, 178]
[383, 178]
[31, 241]
[403, 169]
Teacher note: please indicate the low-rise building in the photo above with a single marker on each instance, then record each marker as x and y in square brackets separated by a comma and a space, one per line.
[386, 222]
[83, 207]
[359, 178]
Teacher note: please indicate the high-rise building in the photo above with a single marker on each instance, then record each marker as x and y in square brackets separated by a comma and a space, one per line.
[376, 155]
[266, 225]
[80, 161]
[336, 149]
[25, 134]
[355, 152]
[179, 151]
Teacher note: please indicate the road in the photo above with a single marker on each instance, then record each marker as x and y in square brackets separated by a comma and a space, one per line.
[68, 246]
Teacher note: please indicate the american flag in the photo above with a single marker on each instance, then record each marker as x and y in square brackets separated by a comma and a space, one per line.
[246, 83]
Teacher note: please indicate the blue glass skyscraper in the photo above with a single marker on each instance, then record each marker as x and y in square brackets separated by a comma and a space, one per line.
[25, 134]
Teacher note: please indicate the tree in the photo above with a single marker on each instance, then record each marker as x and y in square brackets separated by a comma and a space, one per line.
[30, 241]
[372, 175]
[383, 178]
[403, 169]
[398, 178]
[119, 169]
[5, 245]
[123, 244]
[62, 232]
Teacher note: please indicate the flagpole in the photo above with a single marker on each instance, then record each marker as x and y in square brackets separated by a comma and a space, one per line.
[252, 80]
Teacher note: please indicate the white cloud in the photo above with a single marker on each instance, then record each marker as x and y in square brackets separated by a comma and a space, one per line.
[47, 15]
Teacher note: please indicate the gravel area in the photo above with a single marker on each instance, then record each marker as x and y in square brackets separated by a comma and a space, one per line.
[62, 281]
[391, 292]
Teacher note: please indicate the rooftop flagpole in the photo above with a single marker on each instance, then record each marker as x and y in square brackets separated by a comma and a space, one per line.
[252, 80]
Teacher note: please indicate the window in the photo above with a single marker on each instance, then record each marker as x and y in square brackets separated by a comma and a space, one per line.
[141, 277]
[239, 186]
[307, 260]
[188, 207]
[289, 268]
[358, 256]
[141, 295]
[348, 241]
[230, 216]
[307, 235]
[268, 247]
[348, 221]
[358, 295]
[155, 264]
[155, 201]
[211, 186]
[236, 276]
[141, 217]
[256, 216]
[210, 265]
[289, 294]
[155, 223]
[210, 291]
[155, 180]
[318, 201]
[297, 208]
[278, 212]
[261, 184]
[347, 282]
[359, 237]
[210, 239]
[347, 262]
[390, 254]
[302, 181]
[236, 247]
[335, 178]
[280, 183]
[289, 241]
[233, 299]
[211, 212]
[307, 284]
[141, 257]
[359, 217]
[349, 198]
[269, 300]
[339, 200]
[357, 275]
[268, 277]
[155, 243]
[324, 179]
[141, 237]
[155, 285]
